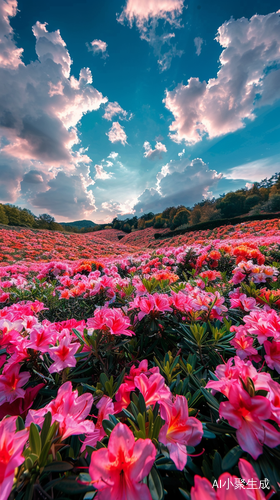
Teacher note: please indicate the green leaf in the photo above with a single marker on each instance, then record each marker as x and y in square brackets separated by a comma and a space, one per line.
[34, 439]
[217, 464]
[210, 399]
[58, 467]
[232, 457]
[108, 426]
[103, 379]
[142, 404]
[90, 495]
[20, 424]
[267, 471]
[184, 494]
[46, 427]
[155, 485]
[72, 487]
[78, 335]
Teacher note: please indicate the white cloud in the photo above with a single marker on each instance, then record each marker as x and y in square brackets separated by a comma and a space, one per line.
[97, 47]
[10, 55]
[117, 208]
[198, 41]
[255, 171]
[180, 182]
[117, 133]
[248, 78]
[143, 11]
[101, 173]
[40, 107]
[182, 153]
[113, 155]
[152, 154]
[112, 109]
[146, 14]
[66, 196]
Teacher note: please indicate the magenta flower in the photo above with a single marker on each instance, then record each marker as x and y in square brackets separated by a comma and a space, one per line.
[153, 388]
[106, 408]
[11, 448]
[112, 321]
[69, 409]
[179, 430]
[248, 414]
[243, 344]
[272, 356]
[11, 383]
[117, 471]
[63, 354]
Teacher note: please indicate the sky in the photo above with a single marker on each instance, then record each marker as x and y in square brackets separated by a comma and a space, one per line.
[114, 109]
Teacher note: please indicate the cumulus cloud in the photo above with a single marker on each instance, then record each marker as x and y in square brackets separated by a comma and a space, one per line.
[66, 196]
[116, 208]
[248, 78]
[117, 133]
[113, 109]
[143, 11]
[152, 154]
[180, 182]
[146, 14]
[97, 47]
[10, 55]
[113, 155]
[198, 41]
[101, 173]
[41, 105]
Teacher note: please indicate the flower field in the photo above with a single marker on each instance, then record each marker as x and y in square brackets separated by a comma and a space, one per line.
[141, 368]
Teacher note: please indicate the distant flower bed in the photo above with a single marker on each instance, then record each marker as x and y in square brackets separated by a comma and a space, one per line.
[134, 372]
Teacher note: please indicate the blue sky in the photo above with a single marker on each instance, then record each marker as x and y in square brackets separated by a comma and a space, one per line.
[117, 108]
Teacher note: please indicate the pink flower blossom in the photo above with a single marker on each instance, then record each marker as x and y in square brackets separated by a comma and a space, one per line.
[153, 389]
[106, 408]
[112, 321]
[229, 487]
[248, 414]
[272, 356]
[243, 344]
[11, 448]
[69, 410]
[117, 471]
[63, 354]
[11, 383]
[179, 430]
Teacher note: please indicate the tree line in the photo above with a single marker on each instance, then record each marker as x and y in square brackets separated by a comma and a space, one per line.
[261, 197]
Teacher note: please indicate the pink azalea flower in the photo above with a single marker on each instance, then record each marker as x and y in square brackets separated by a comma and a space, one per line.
[229, 487]
[228, 373]
[123, 395]
[153, 389]
[11, 383]
[63, 354]
[106, 408]
[243, 344]
[40, 338]
[179, 430]
[247, 415]
[112, 321]
[204, 490]
[117, 471]
[272, 356]
[69, 410]
[274, 398]
[11, 448]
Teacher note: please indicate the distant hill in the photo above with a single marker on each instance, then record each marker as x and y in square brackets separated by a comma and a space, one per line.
[79, 223]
